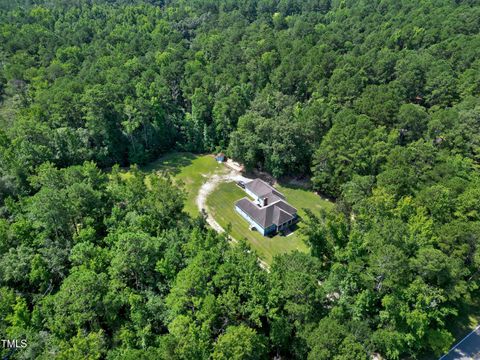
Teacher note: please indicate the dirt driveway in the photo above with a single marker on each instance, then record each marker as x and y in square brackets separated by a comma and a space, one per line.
[207, 188]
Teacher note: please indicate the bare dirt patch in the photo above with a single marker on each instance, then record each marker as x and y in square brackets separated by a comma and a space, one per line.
[208, 187]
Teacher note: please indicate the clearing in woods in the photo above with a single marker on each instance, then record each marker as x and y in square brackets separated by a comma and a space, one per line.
[211, 186]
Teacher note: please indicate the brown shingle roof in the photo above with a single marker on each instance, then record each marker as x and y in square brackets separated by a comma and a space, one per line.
[276, 213]
[262, 189]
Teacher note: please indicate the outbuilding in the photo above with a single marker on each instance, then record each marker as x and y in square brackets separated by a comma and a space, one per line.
[220, 157]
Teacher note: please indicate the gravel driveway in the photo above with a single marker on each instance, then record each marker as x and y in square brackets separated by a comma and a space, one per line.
[208, 187]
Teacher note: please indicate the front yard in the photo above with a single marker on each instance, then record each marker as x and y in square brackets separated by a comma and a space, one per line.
[220, 205]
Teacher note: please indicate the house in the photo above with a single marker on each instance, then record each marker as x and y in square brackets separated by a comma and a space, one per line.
[269, 212]
[220, 157]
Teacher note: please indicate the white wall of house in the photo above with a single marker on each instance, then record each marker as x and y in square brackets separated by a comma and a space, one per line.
[250, 220]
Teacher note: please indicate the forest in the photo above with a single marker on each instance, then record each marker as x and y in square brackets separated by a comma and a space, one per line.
[376, 101]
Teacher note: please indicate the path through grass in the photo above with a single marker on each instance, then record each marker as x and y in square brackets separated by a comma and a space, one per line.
[192, 170]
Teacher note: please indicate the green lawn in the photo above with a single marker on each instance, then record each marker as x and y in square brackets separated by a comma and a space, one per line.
[190, 169]
[221, 206]
[301, 199]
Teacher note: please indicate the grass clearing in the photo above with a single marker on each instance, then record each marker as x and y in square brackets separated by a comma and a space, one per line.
[221, 206]
[301, 199]
[193, 170]
[189, 169]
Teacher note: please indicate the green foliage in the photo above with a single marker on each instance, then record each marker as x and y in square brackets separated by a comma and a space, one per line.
[377, 102]
[296, 300]
[331, 340]
[89, 346]
[353, 146]
[77, 305]
[239, 343]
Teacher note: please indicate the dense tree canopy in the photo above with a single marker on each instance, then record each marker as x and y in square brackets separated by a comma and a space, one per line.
[378, 102]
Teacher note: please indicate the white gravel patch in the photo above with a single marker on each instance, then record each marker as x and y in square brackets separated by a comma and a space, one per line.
[208, 187]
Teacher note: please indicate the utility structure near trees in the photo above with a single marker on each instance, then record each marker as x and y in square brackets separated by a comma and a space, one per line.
[269, 212]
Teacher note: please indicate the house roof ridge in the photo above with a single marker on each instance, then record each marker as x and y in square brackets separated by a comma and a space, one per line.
[276, 213]
[286, 212]
[280, 201]
[256, 186]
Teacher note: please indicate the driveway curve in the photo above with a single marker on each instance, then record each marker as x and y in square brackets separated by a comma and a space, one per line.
[208, 187]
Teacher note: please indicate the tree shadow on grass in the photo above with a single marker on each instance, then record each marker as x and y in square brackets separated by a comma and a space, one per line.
[305, 185]
[468, 316]
[171, 163]
[296, 183]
